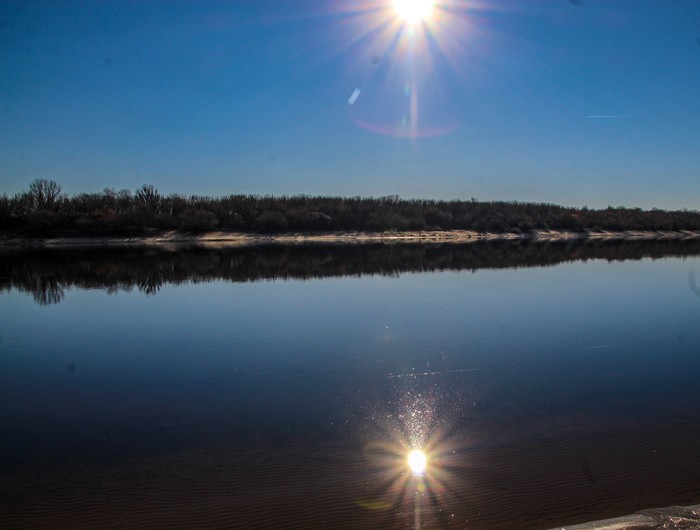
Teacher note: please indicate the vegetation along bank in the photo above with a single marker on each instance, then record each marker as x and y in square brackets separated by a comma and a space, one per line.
[45, 211]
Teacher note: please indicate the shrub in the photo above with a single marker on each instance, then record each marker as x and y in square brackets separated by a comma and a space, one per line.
[193, 220]
[271, 221]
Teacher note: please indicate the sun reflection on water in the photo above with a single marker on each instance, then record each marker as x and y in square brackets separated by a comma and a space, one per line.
[415, 466]
[417, 461]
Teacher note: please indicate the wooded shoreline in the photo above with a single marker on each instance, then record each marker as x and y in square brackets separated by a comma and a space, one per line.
[44, 212]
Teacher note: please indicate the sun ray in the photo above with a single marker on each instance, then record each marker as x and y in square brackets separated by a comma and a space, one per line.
[408, 92]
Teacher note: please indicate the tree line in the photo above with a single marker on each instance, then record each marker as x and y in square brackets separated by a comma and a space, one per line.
[45, 210]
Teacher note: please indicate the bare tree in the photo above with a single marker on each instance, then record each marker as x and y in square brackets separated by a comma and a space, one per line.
[44, 194]
[147, 196]
[124, 200]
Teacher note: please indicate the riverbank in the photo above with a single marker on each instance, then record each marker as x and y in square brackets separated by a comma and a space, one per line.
[221, 238]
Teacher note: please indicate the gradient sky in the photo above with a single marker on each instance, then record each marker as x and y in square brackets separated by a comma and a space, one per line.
[576, 102]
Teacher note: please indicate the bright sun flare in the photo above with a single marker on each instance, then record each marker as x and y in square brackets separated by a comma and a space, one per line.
[417, 461]
[414, 11]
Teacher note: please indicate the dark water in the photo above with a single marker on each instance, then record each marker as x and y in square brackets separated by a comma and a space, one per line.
[282, 387]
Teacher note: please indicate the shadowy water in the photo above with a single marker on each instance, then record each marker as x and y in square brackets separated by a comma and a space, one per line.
[548, 383]
[46, 273]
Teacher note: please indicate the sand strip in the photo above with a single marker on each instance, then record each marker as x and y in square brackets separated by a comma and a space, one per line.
[221, 238]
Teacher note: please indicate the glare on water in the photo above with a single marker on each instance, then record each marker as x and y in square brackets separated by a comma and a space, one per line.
[417, 461]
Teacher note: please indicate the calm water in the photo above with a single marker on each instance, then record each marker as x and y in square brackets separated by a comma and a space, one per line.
[283, 387]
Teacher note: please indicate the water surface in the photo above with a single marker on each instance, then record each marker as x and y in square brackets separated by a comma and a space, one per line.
[283, 386]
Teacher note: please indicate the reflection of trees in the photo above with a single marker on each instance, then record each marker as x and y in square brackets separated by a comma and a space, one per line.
[47, 272]
[47, 291]
[150, 285]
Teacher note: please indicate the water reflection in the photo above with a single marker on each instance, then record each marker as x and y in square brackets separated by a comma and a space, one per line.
[47, 273]
[418, 462]
[46, 290]
[538, 397]
[692, 283]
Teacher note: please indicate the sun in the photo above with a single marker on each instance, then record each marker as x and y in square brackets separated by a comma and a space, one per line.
[414, 11]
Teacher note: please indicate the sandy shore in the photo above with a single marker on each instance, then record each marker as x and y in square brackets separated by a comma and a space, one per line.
[221, 238]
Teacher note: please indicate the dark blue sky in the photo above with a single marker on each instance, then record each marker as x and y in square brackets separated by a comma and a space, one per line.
[591, 102]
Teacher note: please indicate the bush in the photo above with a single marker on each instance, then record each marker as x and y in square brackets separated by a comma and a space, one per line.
[42, 222]
[438, 218]
[193, 220]
[271, 221]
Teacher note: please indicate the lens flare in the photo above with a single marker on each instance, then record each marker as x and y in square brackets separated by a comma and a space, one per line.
[408, 64]
[414, 11]
[417, 461]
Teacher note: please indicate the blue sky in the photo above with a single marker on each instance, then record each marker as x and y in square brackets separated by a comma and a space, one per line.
[489, 99]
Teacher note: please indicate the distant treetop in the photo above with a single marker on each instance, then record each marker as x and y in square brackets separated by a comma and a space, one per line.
[44, 210]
